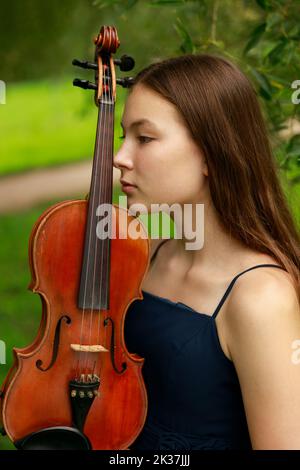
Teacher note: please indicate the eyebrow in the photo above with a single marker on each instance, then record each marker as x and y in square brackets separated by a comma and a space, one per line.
[139, 122]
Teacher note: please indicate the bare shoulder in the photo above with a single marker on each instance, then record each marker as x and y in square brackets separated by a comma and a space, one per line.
[263, 320]
[264, 287]
[261, 300]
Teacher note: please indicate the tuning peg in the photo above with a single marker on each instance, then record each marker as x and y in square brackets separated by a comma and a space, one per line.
[126, 82]
[126, 63]
[84, 84]
[84, 65]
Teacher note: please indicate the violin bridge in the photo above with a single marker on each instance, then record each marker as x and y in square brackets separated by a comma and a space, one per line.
[88, 347]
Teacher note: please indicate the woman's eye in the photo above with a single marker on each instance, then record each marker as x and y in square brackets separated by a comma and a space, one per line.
[144, 139]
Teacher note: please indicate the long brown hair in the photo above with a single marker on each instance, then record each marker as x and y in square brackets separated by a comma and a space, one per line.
[221, 111]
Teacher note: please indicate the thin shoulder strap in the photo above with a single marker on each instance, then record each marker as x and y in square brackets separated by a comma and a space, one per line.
[235, 278]
[157, 248]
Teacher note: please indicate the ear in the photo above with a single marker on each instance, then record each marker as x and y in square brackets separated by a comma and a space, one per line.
[205, 169]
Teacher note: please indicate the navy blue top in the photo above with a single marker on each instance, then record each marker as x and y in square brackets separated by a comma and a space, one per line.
[194, 396]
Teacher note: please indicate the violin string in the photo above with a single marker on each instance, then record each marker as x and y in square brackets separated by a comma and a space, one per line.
[83, 355]
[101, 186]
[96, 260]
[107, 140]
[102, 241]
[107, 181]
[106, 98]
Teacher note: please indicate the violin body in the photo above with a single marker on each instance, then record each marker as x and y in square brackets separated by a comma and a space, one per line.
[37, 393]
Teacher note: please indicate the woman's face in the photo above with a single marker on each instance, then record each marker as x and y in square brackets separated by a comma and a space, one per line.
[158, 154]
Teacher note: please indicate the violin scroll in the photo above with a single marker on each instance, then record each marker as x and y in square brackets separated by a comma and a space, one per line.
[106, 43]
[107, 40]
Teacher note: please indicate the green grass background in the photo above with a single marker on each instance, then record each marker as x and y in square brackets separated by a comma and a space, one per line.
[48, 123]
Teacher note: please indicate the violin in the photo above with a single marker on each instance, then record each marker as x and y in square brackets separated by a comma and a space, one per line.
[76, 386]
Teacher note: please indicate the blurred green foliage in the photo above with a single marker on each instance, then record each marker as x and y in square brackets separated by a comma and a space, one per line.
[261, 36]
[40, 39]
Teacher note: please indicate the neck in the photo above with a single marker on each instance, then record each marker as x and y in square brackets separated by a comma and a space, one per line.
[218, 250]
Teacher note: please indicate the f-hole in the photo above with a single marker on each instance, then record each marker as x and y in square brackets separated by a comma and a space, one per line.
[112, 347]
[39, 362]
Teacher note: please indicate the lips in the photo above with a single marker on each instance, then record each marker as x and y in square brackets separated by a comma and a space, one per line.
[127, 184]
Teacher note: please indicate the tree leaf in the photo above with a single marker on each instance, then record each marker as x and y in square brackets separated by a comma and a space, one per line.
[291, 53]
[275, 55]
[127, 4]
[293, 146]
[187, 46]
[255, 37]
[273, 19]
[105, 3]
[131, 3]
[266, 90]
[165, 2]
[282, 81]
[264, 4]
[218, 44]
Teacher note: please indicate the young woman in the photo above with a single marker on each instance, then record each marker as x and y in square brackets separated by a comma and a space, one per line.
[217, 326]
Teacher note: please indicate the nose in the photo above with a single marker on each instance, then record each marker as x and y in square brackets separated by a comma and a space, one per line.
[122, 158]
